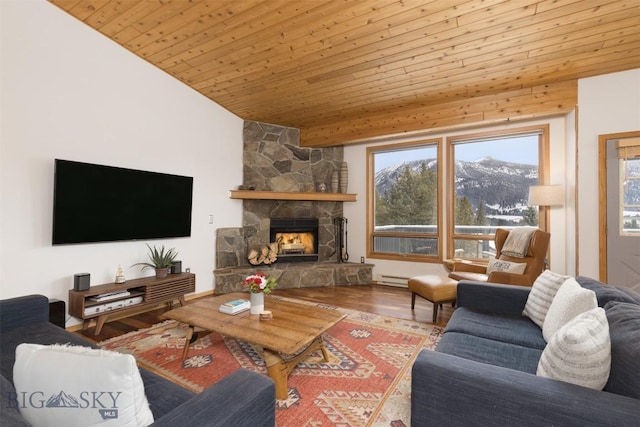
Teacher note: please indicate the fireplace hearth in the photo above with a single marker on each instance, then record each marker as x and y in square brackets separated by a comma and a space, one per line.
[297, 238]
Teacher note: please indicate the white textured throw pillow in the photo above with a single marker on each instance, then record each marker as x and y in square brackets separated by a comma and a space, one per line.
[506, 266]
[570, 300]
[62, 385]
[541, 296]
[580, 352]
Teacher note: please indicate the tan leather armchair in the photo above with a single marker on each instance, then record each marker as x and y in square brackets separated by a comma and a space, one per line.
[535, 260]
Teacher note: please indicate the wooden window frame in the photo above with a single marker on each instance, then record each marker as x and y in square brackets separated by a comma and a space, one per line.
[543, 178]
[371, 233]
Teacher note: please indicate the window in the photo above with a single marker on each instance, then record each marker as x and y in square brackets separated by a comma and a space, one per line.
[629, 211]
[489, 177]
[403, 199]
[487, 184]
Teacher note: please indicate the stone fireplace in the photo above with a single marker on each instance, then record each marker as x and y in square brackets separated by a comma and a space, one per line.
[274, 161]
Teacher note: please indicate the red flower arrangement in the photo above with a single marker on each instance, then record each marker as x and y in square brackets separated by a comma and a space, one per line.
[259, 282]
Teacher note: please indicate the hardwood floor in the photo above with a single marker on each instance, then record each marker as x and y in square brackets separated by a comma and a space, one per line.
[378, 299]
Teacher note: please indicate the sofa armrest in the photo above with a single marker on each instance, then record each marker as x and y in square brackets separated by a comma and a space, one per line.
[452, 391]
[241, 399]
[491, 297]
[21, 311]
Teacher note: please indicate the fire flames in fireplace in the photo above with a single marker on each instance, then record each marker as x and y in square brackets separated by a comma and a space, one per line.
[297, 238]
[295, 243]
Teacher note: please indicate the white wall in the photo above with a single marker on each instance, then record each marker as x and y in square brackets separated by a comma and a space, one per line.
[606, 104]
[355, 156]
[68, 92]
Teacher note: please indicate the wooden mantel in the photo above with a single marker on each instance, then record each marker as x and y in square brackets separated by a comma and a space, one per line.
[280, 195]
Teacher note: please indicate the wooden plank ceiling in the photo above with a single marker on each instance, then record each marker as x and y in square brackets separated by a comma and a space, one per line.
[342, 70]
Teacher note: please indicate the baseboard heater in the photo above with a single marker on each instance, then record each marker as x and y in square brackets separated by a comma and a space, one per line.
[388, 280]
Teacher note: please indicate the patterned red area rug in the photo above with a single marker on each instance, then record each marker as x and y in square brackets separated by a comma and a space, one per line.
[367, 381]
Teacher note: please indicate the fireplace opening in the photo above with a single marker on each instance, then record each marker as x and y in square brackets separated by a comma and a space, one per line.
[297, 238]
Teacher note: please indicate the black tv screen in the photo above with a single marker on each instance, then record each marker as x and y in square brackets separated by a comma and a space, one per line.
[96, 203]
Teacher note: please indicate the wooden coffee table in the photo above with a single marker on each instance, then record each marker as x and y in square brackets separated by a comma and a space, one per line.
[294, 332]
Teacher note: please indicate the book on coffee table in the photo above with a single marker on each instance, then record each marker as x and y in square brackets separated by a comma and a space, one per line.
[235, 306]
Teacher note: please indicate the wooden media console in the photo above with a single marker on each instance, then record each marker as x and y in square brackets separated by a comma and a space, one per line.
[130, 295]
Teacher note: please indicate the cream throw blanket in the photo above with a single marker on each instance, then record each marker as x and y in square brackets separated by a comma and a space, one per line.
[517, 242]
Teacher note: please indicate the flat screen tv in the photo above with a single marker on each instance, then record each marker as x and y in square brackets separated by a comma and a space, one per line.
[96, 203]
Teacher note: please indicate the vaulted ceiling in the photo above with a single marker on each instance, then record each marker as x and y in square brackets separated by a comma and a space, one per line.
[346, 70]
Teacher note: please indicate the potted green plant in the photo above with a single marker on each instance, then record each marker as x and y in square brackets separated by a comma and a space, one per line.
[160, 260]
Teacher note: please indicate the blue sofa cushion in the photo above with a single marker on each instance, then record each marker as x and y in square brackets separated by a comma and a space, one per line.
[21, 311]
[624, 330]
[484, 350]
[163, 395]
[9, 412]
[606, 293]
[515, 329]
[231, 403]
[36, 333]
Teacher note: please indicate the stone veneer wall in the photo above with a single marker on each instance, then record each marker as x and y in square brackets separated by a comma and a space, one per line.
[273, 160]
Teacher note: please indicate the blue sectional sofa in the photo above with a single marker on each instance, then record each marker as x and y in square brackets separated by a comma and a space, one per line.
[243, 398]
[483, 372]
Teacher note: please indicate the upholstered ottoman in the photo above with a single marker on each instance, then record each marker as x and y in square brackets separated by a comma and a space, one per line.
[434, 288]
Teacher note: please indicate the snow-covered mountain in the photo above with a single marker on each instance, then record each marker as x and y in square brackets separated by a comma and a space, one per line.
[502, 186]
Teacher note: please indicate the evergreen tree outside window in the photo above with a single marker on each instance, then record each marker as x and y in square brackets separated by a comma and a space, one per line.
[404, 218]
[489, 177]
